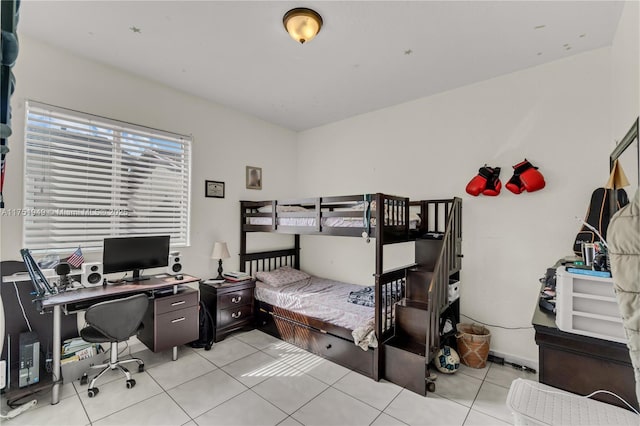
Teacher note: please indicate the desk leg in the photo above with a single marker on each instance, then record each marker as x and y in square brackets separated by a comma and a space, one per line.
[57, 347]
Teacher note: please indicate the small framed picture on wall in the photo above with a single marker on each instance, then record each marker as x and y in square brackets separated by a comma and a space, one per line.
[213, 189]
[254, 177]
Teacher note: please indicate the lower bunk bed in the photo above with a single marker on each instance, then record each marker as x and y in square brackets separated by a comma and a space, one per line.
[316, 314]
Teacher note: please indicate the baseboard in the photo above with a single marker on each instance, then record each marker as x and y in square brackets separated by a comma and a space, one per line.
[531, 363]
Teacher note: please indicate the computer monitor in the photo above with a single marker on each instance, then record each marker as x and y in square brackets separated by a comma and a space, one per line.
[135, 254]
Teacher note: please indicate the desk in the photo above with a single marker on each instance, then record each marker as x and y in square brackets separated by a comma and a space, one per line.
[58, 302]
[582, 364]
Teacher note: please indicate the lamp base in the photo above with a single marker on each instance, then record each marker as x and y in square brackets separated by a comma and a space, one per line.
[220, 277]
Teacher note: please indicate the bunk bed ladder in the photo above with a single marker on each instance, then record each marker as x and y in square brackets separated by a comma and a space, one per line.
[416, 334]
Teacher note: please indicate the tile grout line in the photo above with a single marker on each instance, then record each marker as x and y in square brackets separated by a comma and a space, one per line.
[170, 397]
[474, 401]
[228, 399]
[271, 403]
[86, 413]
[307, 403]
[387, 406]
[123, 408]
[220, 367]
[364, 402]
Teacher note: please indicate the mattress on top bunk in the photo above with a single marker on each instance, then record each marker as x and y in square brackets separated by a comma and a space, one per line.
[326, 300]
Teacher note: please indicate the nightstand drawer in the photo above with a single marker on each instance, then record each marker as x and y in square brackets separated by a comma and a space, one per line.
[174, 302]
[176, 328]
[235, 298]
[231, 316]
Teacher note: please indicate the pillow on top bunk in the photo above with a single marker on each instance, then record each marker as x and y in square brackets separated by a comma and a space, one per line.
[281, 276]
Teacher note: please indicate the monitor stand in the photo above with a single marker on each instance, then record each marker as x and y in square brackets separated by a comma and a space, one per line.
[136, 277]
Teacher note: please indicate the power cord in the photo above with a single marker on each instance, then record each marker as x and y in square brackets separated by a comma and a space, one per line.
[496, 326]
[19, 410]
[22, 306]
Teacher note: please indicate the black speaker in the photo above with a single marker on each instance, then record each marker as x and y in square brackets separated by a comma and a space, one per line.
[175, 263]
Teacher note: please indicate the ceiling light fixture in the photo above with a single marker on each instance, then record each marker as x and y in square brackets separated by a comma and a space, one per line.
[302, 24]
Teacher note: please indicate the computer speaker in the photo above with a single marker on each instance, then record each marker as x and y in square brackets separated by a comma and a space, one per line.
[175, 263]
[92, 274]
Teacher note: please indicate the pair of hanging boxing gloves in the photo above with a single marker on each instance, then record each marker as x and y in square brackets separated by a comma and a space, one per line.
[525, 177]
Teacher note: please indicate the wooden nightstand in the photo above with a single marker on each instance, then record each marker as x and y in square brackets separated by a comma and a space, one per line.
[230, 304]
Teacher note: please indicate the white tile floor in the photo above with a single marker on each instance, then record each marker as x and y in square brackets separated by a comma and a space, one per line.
[254, 379]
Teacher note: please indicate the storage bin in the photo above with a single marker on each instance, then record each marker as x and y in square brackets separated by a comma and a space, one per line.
[473, 344]
[533, 404]
[587, 306]
[74, 370]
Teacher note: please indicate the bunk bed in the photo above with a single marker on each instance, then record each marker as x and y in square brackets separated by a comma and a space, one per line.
[379, 218]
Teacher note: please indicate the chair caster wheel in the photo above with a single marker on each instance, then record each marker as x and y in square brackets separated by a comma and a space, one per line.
[431, 387]
[131, 383]
[84, 379]
[92, 392]
[140, 368]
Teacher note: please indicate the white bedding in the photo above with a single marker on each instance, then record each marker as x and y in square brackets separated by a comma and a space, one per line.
[326, 300]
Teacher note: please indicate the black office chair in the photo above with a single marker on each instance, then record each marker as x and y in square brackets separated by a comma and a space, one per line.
[114, 321]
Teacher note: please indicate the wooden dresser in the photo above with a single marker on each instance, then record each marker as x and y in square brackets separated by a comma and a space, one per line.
[582, 364]
[230, 304]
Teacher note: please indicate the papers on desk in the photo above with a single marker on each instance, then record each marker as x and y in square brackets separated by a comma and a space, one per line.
[212, 281]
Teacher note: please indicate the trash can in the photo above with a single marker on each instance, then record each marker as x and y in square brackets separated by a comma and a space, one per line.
[473, 344]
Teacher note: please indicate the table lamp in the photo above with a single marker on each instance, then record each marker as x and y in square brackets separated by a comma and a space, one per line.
[220, 252]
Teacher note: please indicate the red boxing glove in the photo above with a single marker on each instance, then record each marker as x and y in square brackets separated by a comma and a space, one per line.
[532, 180]
[515, 183]
[479, 183]
[493, 183]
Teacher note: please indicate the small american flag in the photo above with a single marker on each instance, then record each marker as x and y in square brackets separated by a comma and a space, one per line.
[76, 259]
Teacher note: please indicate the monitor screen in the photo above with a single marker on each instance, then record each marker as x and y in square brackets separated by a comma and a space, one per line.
[135, 253]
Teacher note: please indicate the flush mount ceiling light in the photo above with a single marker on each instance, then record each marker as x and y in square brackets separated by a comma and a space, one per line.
[302, 24]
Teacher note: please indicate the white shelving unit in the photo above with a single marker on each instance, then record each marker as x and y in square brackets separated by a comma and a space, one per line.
[587, 305]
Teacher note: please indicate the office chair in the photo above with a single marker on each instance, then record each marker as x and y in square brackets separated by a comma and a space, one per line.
[114, 321]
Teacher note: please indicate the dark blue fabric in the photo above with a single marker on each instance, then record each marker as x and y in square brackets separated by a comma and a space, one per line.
[367, 296]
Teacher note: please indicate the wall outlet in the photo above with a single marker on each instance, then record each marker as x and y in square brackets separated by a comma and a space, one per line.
[3, 374]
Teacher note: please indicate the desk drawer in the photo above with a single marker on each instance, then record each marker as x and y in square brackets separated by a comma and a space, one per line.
[235, 298]
[184, 299]
[236, 314]
[176, 328]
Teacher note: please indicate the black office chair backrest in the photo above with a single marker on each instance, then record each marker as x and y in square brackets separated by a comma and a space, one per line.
[118, 319]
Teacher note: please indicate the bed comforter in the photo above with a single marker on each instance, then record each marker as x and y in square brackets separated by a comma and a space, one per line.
[326, 300]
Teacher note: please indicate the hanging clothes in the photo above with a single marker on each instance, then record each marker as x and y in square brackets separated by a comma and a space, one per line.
[624, 250]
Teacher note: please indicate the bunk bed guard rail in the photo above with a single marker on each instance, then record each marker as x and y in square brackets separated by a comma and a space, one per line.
[351, 215]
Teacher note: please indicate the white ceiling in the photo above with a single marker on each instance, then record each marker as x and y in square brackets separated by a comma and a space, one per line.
[237, 53]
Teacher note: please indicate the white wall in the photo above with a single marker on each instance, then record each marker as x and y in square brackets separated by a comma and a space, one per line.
[557, 115]
[625, 70]
[625, 86]
[225, 141]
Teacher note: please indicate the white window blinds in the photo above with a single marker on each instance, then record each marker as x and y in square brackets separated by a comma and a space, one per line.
[88, 178]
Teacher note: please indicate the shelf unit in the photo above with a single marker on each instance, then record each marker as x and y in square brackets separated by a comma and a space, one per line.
[587, 305]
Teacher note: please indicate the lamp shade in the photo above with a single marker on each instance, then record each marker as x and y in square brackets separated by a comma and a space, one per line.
[302, 24]
[220, 251]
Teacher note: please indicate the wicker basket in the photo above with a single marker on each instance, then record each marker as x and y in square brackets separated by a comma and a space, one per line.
[473, 344]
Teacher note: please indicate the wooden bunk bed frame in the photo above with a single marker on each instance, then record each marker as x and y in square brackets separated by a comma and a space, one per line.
[384, 218]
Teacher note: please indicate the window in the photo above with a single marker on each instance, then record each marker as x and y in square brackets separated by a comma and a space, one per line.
[88, 178]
